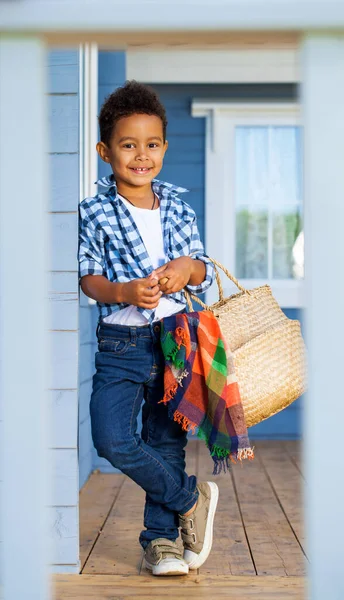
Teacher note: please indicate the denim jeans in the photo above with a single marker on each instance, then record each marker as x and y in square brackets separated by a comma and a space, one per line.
[130, 371]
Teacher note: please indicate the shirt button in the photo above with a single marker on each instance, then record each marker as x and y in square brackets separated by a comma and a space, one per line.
[157, 328]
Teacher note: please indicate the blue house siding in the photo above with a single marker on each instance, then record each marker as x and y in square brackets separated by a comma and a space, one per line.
[63, 102]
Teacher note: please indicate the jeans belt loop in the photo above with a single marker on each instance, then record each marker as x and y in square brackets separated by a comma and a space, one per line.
[97, 330]
[133, 336]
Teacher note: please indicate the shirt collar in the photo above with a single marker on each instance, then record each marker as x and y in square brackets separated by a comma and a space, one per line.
[109, 182]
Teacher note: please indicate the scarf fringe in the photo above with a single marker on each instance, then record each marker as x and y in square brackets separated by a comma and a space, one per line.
[222, 457]
[185, 423]
[169, 393]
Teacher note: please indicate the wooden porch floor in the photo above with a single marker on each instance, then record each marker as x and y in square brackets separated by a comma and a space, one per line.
[258, 549]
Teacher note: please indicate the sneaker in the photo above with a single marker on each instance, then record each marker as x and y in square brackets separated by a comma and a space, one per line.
[164, 557]
[197, 527]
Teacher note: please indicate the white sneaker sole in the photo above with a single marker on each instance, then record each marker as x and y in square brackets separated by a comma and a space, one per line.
[193, 559]
[168, 568]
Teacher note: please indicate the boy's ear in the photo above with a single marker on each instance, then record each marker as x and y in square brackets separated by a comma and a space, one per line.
[103, 151]
[165, 146]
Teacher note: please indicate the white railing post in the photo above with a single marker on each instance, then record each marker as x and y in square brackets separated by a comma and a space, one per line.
[24, 348]
[323, 111]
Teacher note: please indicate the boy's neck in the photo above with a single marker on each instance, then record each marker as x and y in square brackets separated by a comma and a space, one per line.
[136, 194]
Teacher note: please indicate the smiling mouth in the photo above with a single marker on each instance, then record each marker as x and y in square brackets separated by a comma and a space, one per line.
[140, 170]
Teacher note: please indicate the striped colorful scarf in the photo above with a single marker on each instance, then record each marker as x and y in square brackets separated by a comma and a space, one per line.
[201, 389]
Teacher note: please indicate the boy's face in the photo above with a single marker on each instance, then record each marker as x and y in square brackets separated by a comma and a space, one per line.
[136, 150]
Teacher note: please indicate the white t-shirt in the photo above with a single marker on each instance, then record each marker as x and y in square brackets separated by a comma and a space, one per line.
[148, 223]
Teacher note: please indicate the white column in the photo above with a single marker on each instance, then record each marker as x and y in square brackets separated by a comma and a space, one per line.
[323, 107]
[23, 317]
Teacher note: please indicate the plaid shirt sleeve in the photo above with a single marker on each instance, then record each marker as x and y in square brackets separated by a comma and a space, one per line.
[91, 245]
[197, 252]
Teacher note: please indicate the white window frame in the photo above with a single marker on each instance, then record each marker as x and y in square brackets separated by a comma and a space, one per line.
[221, 120]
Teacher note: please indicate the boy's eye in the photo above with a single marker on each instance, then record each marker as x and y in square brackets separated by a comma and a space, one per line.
[153, 145]
[130, 145]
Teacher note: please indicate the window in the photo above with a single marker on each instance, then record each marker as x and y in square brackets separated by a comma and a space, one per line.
[253, 199]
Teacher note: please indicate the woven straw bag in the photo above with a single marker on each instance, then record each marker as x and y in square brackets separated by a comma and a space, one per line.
[268, 348]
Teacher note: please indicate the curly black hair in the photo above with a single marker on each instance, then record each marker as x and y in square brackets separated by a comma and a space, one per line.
[132, 98]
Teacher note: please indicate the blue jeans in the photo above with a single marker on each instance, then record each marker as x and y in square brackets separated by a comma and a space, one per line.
[130, 370]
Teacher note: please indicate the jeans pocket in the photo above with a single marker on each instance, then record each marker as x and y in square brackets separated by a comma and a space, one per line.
[115, 346]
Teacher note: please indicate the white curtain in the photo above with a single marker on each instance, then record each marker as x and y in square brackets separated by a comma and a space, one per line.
[268, 191]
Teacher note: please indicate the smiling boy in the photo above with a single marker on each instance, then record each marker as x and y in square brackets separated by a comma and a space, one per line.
[139, 247]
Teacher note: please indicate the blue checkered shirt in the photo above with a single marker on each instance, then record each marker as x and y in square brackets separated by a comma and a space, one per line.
[110, 243]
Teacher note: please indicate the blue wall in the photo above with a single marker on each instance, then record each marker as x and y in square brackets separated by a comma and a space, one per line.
[185, 165]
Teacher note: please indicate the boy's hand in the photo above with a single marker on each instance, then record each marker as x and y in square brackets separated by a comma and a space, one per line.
[177, 272]
[142, 292]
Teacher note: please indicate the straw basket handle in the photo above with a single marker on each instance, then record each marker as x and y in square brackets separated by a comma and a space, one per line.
[216, 264]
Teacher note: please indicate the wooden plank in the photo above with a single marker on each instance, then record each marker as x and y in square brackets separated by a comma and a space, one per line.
[64, 348]
[230, 553]
[64, 241]
[294, 449]
[69, 587]
[63, 79]
[63, 282]
[64, 123]
[192, 456]
[63, 311]
[63, 526]
[63, 464]
[160, 38]
[286, 481]
[59, 57]
[96, 499]
[273, 545]
[117, 550]
[64, 169]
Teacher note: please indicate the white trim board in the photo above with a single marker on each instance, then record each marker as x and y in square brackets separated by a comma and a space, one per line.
[221, 119]
[273, 65]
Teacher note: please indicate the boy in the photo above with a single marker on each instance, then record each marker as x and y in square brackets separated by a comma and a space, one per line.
[136, 241]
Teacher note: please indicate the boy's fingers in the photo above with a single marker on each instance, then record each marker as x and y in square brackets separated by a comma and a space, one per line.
[154, 291]
[153, 275]
[154, 300]
[161, 269]
[149, 281]
[149, 306]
